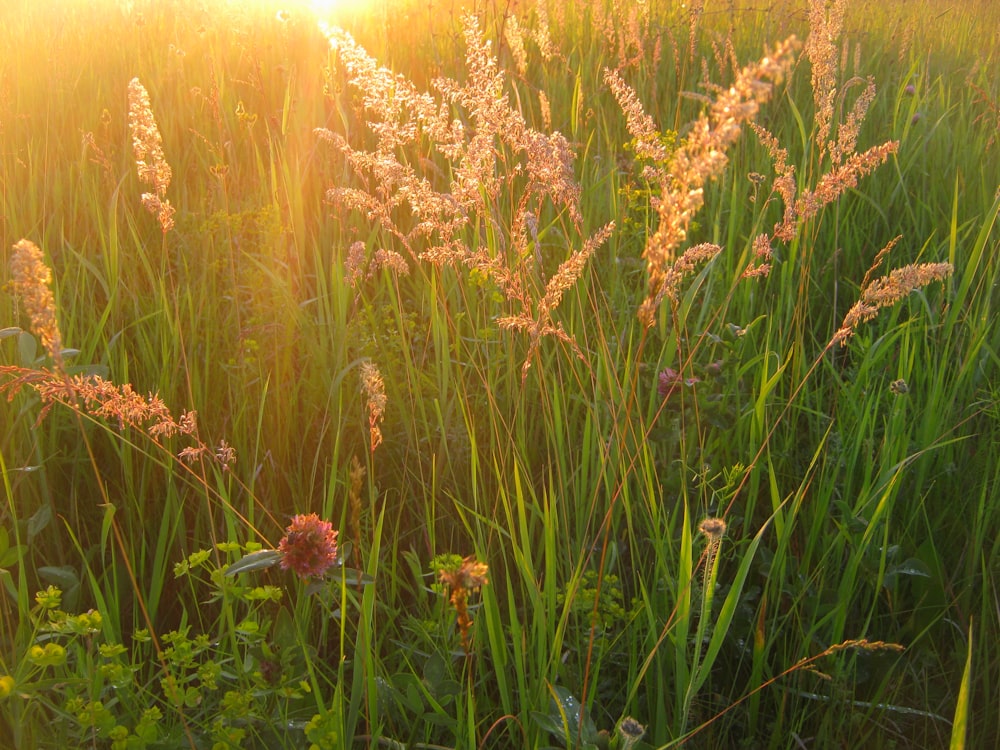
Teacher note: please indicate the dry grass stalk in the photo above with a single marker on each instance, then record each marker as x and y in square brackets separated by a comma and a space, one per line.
[357, 476]
[373, 388]
[541, 33]
[700, 158]
[826, 20]
[886, 291]
[847, 133]
[500, 173]
[31, 280]
[514, 35]
[565, 277]
[147, 146]
[648, 144]
[120, 405]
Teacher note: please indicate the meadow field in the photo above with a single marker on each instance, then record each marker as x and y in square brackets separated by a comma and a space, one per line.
[429, 374]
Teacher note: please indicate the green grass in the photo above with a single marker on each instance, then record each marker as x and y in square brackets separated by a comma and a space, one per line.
[857, 483]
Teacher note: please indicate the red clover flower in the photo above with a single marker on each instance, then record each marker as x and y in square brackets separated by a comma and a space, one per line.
[309, 546]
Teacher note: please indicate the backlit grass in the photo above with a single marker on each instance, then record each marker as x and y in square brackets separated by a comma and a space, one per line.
[643, 358]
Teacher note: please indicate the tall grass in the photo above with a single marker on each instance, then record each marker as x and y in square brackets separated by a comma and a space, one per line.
[643, 358]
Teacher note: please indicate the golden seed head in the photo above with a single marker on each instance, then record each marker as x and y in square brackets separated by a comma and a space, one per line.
[31, 277]
[373, 388]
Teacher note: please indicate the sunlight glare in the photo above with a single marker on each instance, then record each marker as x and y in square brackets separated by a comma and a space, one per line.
[326, 8]
[323, 9]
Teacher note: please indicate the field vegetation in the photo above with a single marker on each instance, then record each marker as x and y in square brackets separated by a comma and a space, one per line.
[519, 374]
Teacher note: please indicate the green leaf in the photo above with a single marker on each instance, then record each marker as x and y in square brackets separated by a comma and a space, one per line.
[264, 558]
[62, 576]
[11, 555]
[435, 672]
[39, 520]
[27, 349]
[563, 719]
[960, 724]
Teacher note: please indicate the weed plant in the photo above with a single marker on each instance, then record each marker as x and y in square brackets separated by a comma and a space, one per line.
[583, 374]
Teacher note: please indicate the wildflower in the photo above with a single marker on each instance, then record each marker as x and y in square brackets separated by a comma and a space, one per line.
[669, 379]
[50, 598]
[49, 655]
[31, 279]
[309, 546]
[899, 387]
[910, 89]
[6, 686]
[462, 580]
[630, 732]
[713, 528]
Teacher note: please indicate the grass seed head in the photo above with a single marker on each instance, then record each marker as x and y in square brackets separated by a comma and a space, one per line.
[31, 279]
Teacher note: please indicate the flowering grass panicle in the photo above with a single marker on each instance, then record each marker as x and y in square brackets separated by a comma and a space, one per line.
[541, 32]
[541, 323]
[500, 172]
[784, 182]
[826, 19]
[120, 405]
[309, 546]
[31, 280]
[886, 291]
[846, 166]
[842, 178]
[700, 158]
[147, 145]
[847, 133]
[514, 34]
[648, 144]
